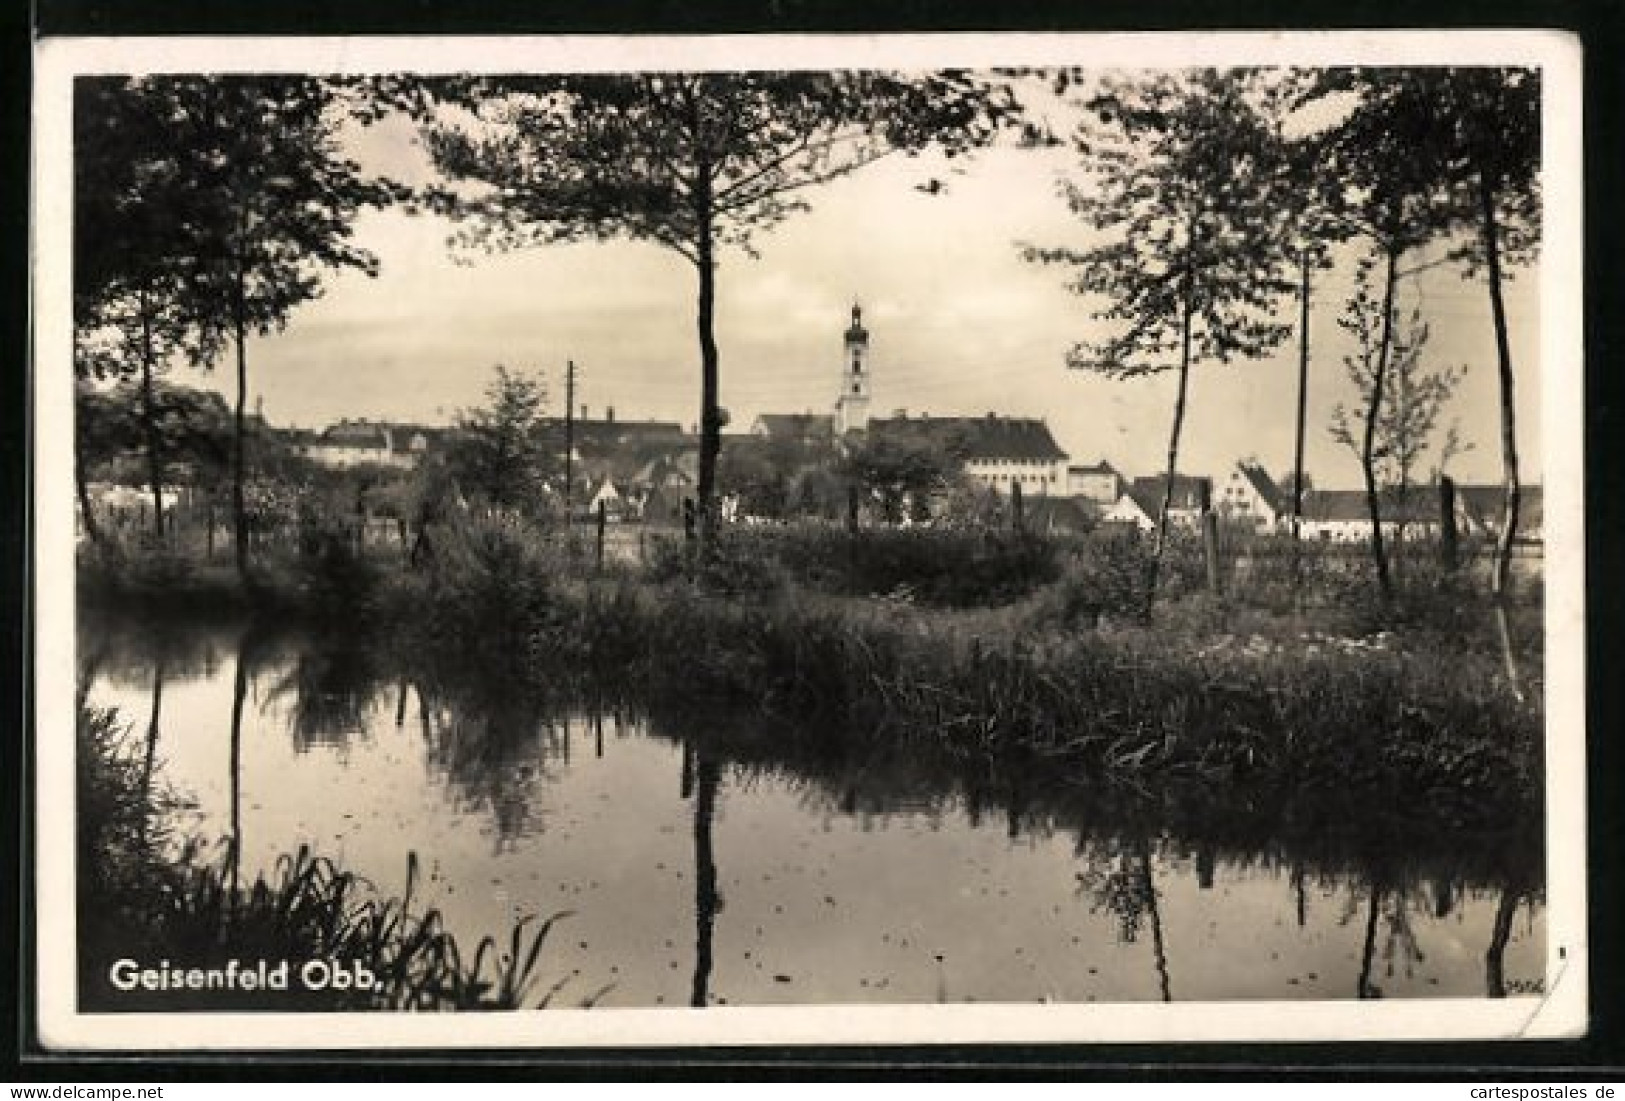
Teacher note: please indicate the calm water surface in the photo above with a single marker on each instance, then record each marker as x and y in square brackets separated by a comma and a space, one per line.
[694, 876]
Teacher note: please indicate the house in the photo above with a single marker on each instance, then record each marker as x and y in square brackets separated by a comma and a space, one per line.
[1482, 507]
[363, 442]
[1250, 496]
[1141, 502]
[607, 496]
[998, 453]
[1128, 510]
[1099, 483]
[812, 430]
[1058, 515]
[1344, 516]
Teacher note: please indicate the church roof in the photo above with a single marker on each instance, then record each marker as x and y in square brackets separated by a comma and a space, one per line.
[975, 439]
[796, 426]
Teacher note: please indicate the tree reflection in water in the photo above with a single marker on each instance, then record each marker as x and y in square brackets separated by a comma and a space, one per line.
[333, 685]
[1119, 877]
[495, 753]
[496, 749]
[707, 778]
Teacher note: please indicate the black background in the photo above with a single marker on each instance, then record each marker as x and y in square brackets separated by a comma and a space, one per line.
[1601, 27]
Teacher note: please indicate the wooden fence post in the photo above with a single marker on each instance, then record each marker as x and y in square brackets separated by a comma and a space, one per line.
[1448, 539]
[1210, 537]
[602, 520]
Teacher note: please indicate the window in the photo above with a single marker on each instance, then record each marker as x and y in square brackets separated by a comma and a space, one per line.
[857, 388]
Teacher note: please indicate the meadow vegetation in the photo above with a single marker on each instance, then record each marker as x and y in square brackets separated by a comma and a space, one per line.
[147, 892]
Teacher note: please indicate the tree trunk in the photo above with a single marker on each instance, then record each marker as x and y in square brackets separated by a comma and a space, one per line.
[239, 693]
[1298, 440]
[1173, 452]
[710, 420]
[706, 899]
[1368, 461]
[82, 488]
[239, 502]
[1159, 949]
[1364, 988]
[1503, 359]
[149, 423]
[1500, 933]
[149, 763]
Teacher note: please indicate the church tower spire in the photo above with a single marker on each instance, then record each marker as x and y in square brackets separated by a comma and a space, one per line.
[852, 407]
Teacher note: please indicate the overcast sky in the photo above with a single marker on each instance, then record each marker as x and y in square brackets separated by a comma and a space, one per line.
[959, 324]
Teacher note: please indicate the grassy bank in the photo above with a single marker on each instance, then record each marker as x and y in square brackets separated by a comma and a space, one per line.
[1440, 734]
[149, 896]
[1408, 704]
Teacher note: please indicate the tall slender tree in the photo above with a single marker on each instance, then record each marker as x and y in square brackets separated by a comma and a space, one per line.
[1495, 163]
[1391, 151]
[699, 163]
[134, 260]
[1183, 173]
[1312, 202]
[271, 200]
[1392, 434]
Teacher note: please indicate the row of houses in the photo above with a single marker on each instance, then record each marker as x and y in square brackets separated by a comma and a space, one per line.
[644, 468]
[1250, 498]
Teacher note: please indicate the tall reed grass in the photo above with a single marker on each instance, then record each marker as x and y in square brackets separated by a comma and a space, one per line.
[145, 894]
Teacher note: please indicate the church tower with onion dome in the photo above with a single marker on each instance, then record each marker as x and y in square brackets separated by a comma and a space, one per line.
[852, 407]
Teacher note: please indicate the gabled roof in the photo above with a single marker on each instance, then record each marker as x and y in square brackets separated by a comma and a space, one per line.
[1187, 497]
[659, 470]
[1102, 467]
[797, 426]
[607, 434]
[1418, 504]
[1484, 504]
[1264, 485]
[1043, 513]
[975, 439]
[348, 433]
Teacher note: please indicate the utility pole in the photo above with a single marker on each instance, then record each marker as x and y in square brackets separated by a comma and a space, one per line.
[569, 435]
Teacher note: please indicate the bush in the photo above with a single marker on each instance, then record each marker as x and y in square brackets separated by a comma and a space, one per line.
[337, 581]
[944, 568]
[742, 562]
[488, 589]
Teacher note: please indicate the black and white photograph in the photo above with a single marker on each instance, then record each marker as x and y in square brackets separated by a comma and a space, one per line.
[787, 540]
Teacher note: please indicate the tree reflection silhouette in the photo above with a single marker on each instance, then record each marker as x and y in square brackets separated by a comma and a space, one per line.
[151, 758]
[707, 777]
[1120, 878]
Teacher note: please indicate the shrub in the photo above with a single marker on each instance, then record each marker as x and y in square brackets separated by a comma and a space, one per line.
[336, 580]
[488, 589]
[946, 568]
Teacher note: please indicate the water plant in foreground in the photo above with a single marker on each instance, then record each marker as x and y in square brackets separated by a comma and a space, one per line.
[142, 897]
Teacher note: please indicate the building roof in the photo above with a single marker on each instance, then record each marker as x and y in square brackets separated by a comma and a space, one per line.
[1416, 504]
[359, 434]
[610, 433]
[1484, 504]
[1189, 491]
[796, 426]
[1264, 485]
[975, 439]
[1102, 467]
[1056, 513]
